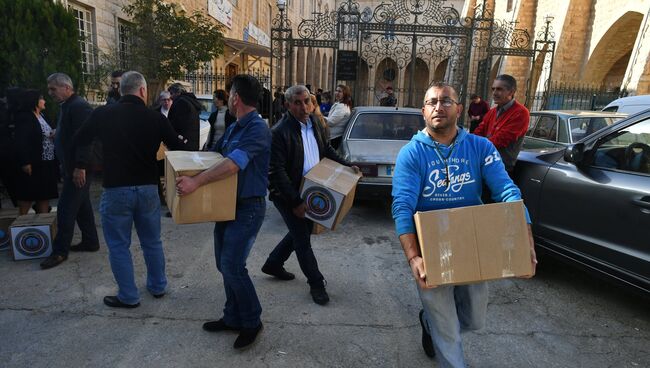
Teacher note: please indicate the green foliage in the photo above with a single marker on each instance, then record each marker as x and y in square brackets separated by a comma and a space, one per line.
[37, 38]
[165, 41]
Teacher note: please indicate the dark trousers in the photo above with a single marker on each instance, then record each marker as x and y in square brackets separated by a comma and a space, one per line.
[74, 206]
[298, 239]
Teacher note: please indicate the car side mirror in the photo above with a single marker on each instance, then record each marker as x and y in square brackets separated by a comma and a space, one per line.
[575, 153]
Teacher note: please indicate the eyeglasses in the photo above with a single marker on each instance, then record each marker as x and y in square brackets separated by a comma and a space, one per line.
[446, 102]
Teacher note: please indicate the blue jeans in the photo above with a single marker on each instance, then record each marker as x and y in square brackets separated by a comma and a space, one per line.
[120, 208]
[448, 310]
[233, 241]
[297, 239]
[74, 205]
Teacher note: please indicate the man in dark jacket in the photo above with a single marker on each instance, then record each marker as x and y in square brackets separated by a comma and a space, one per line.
[299, 143]
[131, 134]
[184, 115]
[74, 202]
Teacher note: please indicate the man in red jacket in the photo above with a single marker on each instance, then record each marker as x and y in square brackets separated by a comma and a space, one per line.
[505, 124]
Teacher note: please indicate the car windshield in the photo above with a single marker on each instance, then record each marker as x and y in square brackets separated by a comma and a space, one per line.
[386, 126]
[584, 126]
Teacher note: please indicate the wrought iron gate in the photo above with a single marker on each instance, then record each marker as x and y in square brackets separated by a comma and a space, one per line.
[409, 45]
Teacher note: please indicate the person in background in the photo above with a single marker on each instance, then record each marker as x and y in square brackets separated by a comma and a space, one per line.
[338, 116]
[38, 178]
[318, 117]
[114, 93]
[319, 95]
[184, 115]
[8, 168]
[476, 111]
[505, 125]
[389, 99]
[165, 103]
[74, 202]
[326, 103]
[219, 120]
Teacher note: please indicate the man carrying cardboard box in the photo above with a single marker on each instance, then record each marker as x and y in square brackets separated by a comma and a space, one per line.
[299, 143]
[130, 134]
[246, 144]
[445, 167]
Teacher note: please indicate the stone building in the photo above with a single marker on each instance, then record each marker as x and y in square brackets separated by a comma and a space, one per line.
[600, 43]
[246, 25]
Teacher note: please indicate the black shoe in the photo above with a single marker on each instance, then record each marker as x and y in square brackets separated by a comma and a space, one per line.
[113, 301]
[427, 343]
[81, 247]
[158, 296]
[319, 295]
[247, 336]
[53, 261]
[218, 326]
[168, 214]
[278, 272]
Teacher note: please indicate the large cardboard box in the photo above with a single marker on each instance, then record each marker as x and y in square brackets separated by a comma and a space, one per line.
[32, 235]
[470, 244]
[212, 202]
[7, 217]
[328, 190]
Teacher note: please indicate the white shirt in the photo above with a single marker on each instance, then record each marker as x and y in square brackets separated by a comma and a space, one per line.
[337, 119]
[164, 112]
[309, 145]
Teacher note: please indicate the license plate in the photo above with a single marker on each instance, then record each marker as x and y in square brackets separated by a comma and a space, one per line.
[385, 170]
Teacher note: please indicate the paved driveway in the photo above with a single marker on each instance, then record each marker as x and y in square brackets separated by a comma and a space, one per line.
[55, 318]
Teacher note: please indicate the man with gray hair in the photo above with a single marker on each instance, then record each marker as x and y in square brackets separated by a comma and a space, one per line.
[299, 143]
[165, 103]
[130, 134]
[74, 202]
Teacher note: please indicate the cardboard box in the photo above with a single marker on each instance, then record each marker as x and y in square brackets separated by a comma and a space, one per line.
[160, 154]
[470, 244]
[212, 202]
[328, 190]
[7, 217]
[32, 235]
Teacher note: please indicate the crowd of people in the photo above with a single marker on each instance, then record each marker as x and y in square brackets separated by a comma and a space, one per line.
[307, 128]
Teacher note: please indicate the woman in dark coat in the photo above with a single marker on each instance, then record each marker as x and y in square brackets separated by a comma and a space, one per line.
[219, 120]
[37, 181]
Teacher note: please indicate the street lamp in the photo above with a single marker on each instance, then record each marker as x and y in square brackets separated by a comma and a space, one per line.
[282, 4]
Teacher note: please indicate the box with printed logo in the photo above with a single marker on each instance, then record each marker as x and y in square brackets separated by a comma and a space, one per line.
[215, 201]
[32, 235]
[471, 244]
[7, 216]
[328, 191]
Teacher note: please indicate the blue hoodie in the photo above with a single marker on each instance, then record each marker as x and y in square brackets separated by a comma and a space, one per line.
[419, 182]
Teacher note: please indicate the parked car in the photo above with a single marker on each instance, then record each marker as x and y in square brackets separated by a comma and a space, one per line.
[208, 106]
[630, 105]
[372, 140]
[590, 201]
[558, 128]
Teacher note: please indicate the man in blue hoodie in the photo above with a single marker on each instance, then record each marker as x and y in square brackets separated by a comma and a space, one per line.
[443, 166]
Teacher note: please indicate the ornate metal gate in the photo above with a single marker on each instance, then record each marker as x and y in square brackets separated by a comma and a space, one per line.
[410, 45]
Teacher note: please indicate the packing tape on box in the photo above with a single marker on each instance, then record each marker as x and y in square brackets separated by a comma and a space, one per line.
[334, 177]
[444, 246]
[197, 159]
[508, 244]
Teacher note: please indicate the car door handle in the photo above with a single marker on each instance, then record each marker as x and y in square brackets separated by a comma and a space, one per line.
[643, 202]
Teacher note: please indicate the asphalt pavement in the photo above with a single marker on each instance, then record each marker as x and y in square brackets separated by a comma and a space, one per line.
[56, 318]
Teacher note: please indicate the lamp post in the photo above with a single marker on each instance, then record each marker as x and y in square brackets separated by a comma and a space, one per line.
[547, 19]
